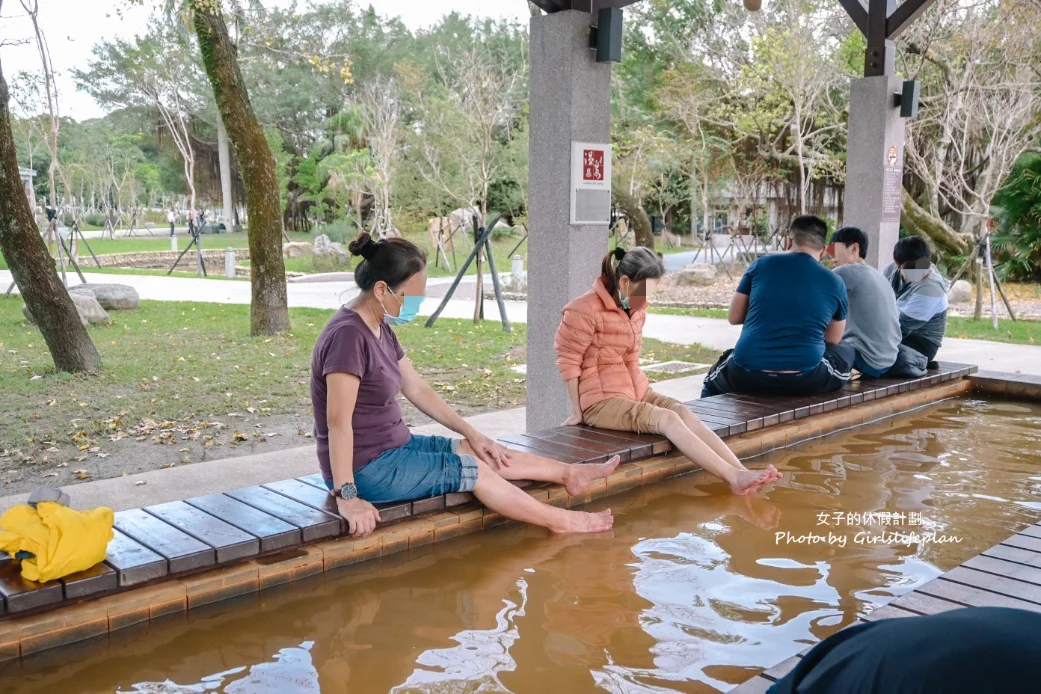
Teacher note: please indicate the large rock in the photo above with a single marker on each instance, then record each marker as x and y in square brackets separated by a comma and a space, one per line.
[295, 249]
[697, 274]
[961, 293]
[86, 304]
[112, 297]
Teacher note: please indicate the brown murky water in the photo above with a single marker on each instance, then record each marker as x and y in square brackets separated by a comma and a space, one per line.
[694, 591]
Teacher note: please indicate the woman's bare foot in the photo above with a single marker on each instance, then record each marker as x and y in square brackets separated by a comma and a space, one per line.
[581, 476]
[747, 480]
[582, 522]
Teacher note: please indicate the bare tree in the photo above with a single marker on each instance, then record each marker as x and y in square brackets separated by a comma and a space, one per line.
[465, 129]
[980, 112]
[382, 115]
[32, 7]
[32, 266]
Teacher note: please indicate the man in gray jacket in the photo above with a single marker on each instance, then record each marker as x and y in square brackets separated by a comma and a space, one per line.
[873, 322]
[921, 296]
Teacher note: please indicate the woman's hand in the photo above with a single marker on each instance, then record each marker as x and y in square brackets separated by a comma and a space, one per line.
[361, 516]
[574, 420]
[491, 453]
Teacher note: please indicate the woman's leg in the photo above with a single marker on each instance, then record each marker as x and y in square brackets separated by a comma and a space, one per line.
[741, 481]
[500, 496]
[525, 466]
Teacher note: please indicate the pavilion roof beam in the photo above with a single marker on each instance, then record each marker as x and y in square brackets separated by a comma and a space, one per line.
[857, 12]
[902, 17]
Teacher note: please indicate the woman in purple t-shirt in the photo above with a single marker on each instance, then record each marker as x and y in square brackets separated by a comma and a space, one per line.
[367, 454]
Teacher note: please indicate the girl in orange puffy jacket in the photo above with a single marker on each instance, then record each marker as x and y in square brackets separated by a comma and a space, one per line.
[598, 355]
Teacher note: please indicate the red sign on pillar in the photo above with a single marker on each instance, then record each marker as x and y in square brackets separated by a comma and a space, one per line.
[590, 183]
[593, 165]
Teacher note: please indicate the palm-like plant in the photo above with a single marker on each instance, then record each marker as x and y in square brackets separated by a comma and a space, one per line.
[1018, 241]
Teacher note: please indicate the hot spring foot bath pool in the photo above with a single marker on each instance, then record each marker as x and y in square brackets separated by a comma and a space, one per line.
[695, 590]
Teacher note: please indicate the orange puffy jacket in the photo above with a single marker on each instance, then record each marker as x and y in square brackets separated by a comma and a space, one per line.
[599, 344]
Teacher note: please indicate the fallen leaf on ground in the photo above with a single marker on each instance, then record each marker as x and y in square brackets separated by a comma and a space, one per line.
[240, 437]
[52, 449]
[182, 450]
[140, 483]
[50, 474]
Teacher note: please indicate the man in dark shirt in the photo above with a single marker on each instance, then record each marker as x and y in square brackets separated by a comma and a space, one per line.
[794, 314]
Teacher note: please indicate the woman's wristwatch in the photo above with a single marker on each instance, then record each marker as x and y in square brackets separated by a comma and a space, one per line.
[347, 492]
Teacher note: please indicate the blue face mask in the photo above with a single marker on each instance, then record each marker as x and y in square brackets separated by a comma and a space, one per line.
[409, 310]
[624, 300]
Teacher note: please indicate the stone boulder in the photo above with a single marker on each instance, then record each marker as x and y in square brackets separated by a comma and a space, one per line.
[961, 292]
[295, 249]
[86, 304]
[324, 247]
[112, 297]
[697, 274]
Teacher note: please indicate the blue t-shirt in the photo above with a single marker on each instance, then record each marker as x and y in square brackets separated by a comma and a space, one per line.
[791, 300]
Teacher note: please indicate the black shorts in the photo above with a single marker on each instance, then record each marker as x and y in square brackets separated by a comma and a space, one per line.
[831, 374]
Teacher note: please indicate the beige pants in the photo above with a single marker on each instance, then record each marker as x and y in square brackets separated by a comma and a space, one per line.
[623, 414]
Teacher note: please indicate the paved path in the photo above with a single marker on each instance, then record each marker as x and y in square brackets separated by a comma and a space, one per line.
[711, 332]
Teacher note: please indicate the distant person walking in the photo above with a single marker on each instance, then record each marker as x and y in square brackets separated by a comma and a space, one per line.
[171, 217]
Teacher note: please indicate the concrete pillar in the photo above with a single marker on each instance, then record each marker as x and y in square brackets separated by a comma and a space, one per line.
[173, 243]
[229, 263]
[874, 165]
[224, 157]
[516, 267]
[570, 100]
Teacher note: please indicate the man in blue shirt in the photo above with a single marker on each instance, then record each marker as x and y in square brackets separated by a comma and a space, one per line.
[794, 314]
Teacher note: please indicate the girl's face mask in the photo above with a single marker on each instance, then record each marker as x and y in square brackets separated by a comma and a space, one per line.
[409, 310]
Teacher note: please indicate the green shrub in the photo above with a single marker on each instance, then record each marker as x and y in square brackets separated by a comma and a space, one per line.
[67, 220]
[329, 263]
[94, 219]
[504, 231]
[1017, 244]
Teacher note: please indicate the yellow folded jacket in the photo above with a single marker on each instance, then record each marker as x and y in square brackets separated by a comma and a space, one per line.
[63, 540]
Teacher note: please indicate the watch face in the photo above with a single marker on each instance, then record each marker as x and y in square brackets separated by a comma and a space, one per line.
[348, 491]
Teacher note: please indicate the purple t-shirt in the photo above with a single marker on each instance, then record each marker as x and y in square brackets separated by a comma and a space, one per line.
[347, 345]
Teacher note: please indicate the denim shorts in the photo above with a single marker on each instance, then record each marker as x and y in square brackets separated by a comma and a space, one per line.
[425, 466]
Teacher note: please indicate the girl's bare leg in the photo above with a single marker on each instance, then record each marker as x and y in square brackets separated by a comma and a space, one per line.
[689, 444]
[709, 437]
[575, 478]
[500, 496]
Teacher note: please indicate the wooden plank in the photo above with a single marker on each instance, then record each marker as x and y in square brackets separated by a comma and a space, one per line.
[539, 452]
[552, 450]
[394, 510]
[182, 550]
[566, 447]
[1024, 542]
[589, 448]
[229, 543]
[273, 533]
[889, 611]
[134, 563]
[997, 584]
[971, 596]
[315, 480]
[1000, 567]
[1015, 554]
[636, 449]
[756, 685]
[591, 444]
[21, 595]
[659, 444]
[782, 668]
[313, 524]
[97, 579]
[318, 499]
[1031, 531]
[434, 503]
[924, 604]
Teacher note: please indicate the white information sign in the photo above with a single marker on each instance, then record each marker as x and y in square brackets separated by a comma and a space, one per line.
[590, 183]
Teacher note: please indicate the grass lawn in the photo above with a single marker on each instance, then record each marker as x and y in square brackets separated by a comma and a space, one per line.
[1021, 332]
[184, 382]
[697, 312]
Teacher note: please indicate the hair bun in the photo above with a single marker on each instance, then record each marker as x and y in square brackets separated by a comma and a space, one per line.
[619, 253]
[364, 246]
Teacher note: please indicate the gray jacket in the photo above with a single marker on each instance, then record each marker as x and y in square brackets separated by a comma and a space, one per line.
[923, 305]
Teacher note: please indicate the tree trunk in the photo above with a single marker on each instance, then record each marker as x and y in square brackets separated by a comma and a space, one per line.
[269, 312]
[637, 216]
[919, 221]
[32, 266]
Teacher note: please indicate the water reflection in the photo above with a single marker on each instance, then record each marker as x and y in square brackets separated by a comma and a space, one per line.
[692, 591]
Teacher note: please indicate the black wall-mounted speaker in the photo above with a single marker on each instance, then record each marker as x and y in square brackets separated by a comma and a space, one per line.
[609, 35]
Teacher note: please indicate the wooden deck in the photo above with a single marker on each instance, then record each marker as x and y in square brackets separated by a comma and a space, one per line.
[185, 537]
[1006, 575]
